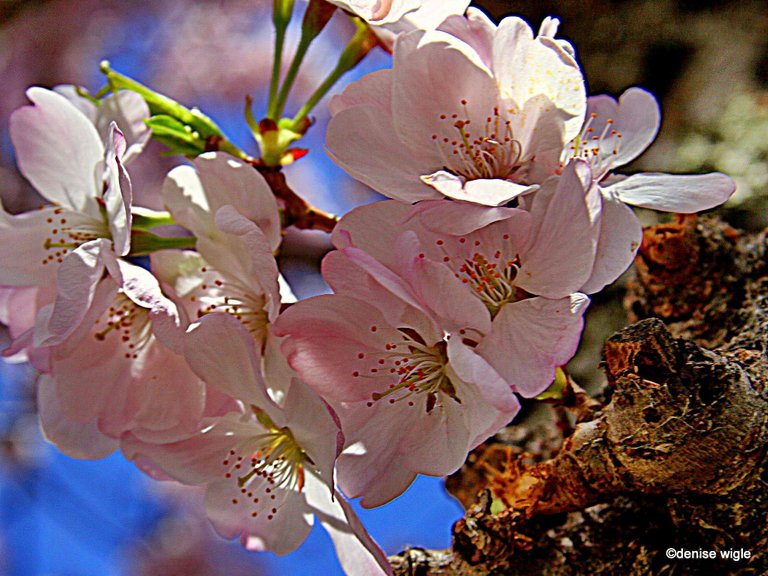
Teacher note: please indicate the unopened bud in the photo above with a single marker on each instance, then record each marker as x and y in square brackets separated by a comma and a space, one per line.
[318, 14]
[282, 10]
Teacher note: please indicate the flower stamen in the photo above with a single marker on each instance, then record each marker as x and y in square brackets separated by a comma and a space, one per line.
[493, 153]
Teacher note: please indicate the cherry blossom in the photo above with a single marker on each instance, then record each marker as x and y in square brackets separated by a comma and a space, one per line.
[18, 311]
[194, 195]
[115, 355]
[268, 468]
[233, 214]
[407, 394]
[614, 134]
[60, 152]
[499, 112]
[460, 295]
[507, 279]
[617, 132]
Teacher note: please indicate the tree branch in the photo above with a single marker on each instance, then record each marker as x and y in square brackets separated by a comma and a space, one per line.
[297, 211]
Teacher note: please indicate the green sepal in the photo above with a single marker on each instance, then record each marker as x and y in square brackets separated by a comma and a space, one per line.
[274, 140]
[556, 389]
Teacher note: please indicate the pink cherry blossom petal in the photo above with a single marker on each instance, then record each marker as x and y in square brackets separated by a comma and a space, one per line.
[449, 439]
[128, 110]
[457, 218]
[471, 367]
[314, 426]
[118, 195]
[327, 336]
[143, 288]
[347, 277]
[476, 29]
[438, 287]
[27, 256]
[222, 353]
[684, 194]
[374, 89]
[131, 382]
[280, 533]
[229, 181]
[58, 150]
[86, 367]
[459, 84]
[372, 466]
[254, 263]
[636, 117]
[531, 338]
[197, 459]
[77, 279]
[395, 166]
[166, 398]
[194, 195]
[356, 550]
[525, 67]
[562, 253]
[374, 228]
[485, 191]
[76, 439]
[18, 308]
[620, 237]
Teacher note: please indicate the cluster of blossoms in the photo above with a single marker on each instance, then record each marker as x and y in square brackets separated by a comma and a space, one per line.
[450, 301]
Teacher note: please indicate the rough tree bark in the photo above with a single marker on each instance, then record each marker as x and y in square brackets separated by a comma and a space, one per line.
[674, 456]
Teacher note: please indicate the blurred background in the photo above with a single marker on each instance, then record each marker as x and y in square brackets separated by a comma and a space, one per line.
[706, 61]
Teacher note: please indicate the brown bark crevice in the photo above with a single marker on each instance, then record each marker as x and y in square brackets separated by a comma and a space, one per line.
[676, 456]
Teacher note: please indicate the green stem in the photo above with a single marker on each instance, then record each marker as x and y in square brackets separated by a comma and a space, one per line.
[276, 65]
[316, 16]
[230, 148]
[160, 104]
[322, 90]
[360, 44]
[143, 243]
[167, 113]
[290, 76]
[143, 219]
[83, 93]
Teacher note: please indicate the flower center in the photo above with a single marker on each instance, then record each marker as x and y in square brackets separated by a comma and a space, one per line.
[267, 467]
[490, 153]
[491, 278]
[65, 235]
[220, 293]
[598, 147]
[127, 321]
[492, 281]
[411, 367]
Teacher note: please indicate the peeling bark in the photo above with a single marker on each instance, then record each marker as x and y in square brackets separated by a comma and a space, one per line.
[676, 455]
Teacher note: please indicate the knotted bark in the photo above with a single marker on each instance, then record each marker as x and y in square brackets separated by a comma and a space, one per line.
[674, 456]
